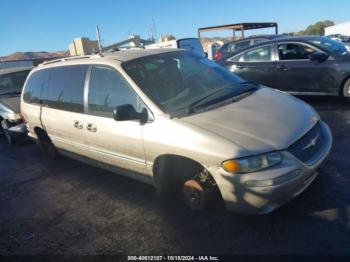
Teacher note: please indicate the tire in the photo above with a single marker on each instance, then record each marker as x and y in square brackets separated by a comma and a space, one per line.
[346, 90]
[49, 149]
[196, 195]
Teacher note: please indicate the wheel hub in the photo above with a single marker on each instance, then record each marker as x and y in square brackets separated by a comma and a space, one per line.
[194, 193]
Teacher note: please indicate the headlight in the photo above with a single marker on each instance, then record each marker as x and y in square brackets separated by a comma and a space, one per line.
[253, 163]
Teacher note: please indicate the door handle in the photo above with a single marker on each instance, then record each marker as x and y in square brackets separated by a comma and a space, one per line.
[91, 127]
[282, 67]
[77, 124]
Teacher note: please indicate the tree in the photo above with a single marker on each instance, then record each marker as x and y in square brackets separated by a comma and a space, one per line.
[318, 28]
[315, 29]
[168, 37]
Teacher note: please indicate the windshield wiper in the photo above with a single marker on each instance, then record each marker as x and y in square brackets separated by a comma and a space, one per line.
[11, 93]
[196, 103]
[192, 107]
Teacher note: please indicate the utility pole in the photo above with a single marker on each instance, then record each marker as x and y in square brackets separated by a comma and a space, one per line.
[99, 39]
[154, 30]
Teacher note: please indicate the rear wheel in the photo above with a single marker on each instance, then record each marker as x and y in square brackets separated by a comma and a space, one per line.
[46, 144]
[49, 149]
[346, 90]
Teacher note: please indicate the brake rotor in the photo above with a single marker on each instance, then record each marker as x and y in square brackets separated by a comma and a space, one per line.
[196, 196]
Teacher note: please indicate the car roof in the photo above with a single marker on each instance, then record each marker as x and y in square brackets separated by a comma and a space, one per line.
[271, 37]
[130, 54]
[15, 70]
[304, 39]
[121, 56]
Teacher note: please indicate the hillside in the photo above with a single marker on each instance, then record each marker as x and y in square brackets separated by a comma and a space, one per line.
[34, 55]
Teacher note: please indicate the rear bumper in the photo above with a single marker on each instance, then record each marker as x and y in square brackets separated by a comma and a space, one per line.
[292, 176]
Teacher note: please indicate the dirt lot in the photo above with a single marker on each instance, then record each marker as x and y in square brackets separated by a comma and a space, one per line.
[66, 207]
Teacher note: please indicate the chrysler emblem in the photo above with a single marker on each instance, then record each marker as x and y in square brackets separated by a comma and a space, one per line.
[312, 142]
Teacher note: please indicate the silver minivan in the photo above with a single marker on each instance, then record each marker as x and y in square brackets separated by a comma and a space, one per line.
[180, 122]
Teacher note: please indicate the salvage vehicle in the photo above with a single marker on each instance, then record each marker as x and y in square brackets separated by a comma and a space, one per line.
[305, 65]
[180, 122]
[11, 84]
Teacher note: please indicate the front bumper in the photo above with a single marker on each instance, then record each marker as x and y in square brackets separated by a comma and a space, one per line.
[292, 177]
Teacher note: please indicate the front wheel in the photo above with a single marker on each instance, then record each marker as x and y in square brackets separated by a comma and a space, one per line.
[197, 195]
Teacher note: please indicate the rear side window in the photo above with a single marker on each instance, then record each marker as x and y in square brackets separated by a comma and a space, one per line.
[66, 88]
[259, 40]
[107, 90]
[35, 86]
[260, 54]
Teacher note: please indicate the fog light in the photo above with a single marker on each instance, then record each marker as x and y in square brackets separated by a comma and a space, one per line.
[259, 183]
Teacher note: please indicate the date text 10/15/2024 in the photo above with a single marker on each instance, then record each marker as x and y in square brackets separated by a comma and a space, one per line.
[173, 258]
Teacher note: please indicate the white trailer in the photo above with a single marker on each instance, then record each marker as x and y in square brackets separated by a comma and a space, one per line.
[191, 44]
[342, 28]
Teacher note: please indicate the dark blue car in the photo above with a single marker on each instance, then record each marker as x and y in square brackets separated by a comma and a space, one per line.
[309, 65]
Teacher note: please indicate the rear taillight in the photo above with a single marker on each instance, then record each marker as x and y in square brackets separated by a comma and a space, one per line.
[218, 55]
[23, 119]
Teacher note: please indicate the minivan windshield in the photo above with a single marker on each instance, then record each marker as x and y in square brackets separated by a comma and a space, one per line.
[330, 45]
[179, 81]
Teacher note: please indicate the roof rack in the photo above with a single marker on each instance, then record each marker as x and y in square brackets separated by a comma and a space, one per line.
[69, 58]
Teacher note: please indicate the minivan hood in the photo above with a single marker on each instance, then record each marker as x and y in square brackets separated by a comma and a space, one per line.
[265, 121]
[11, 102]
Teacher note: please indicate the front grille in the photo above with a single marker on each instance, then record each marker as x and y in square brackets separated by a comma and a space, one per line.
[307, 147]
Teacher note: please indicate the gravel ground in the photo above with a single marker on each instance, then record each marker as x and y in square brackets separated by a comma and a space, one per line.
[66, 207]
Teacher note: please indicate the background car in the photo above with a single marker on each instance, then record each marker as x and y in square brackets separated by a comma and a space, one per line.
[11, 84]
[339, 37]
[228, 48]
[309, 65]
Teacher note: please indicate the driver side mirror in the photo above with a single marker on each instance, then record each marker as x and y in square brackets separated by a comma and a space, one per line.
[128, 112]
[319, 57]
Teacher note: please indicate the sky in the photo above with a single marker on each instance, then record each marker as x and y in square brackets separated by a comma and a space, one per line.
[43, 25]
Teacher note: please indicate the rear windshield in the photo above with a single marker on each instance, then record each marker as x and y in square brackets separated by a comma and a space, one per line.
[175, 80]
[12, 83]
[330, 45]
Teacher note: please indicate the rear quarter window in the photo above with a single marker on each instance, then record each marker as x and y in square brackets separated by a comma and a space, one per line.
[35, 85]
[261, 54]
